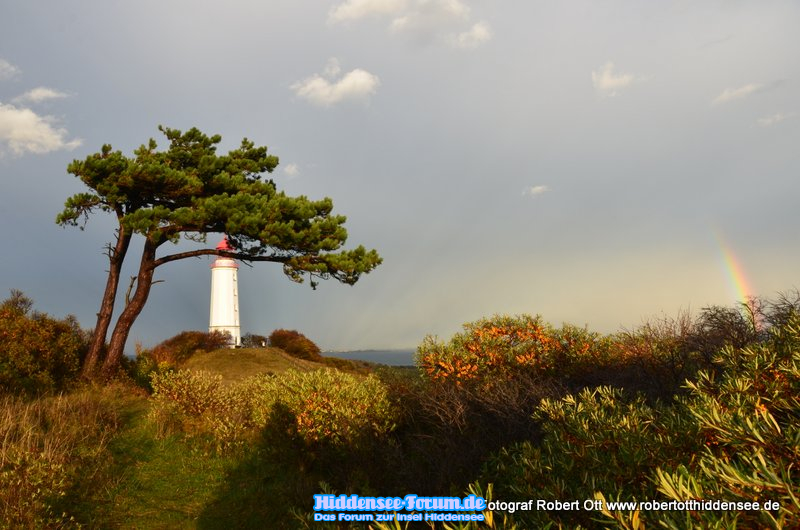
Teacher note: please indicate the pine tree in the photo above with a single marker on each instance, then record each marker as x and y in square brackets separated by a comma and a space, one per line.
[189, 191]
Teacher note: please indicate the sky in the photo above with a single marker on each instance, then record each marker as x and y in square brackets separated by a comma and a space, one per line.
[597, 163]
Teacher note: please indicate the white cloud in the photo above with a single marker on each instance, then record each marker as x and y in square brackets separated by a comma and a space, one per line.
[607, 82]
[472, 38]
[7, 70]
[775, 118]
[731, 94]
[356, 9]
[422, 20]
[291, 170]
[39, 94]
[427, 18]
[23, 131]
[325, 91]
[534, 191]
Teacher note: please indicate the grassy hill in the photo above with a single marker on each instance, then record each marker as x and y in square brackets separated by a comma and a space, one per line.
[237, 364]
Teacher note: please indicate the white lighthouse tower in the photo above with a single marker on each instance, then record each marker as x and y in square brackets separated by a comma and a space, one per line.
[225, 296]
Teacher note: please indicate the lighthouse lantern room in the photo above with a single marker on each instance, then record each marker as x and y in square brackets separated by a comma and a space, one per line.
[225, 296]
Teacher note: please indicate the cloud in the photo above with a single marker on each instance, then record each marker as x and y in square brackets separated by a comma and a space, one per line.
[608, 83]
[535, 191]
[23, 131]
[39, 94]
[441, 21]
[7, 70]
[731, 94]
[357, 9]
[768, 121]
[422, 20]
[291, 170]
[472, 38]
[326, 91]
[428, 16]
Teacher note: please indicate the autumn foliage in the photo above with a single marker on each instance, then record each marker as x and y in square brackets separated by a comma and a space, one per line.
[503, 346]
[182, 346]
[322, 407]
[675, 410]
[734, 436]
[37, 352]
[295, 344]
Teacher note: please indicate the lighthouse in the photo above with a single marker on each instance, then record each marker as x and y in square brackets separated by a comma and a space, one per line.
[225, 296]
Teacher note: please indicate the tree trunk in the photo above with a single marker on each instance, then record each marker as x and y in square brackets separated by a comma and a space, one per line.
[116, 258]
[144, 280]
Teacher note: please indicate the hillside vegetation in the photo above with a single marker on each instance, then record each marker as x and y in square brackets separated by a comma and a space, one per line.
[512, 408]
[235, 365]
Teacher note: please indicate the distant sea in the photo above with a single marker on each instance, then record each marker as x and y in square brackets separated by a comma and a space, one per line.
[389, 357]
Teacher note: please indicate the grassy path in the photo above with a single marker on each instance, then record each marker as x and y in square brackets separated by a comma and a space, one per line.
[151, 482]
[147, 481]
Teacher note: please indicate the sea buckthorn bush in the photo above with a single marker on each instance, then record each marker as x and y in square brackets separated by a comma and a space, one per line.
[597, 440]
[658, 356]
[196, 403]
[193, 392]
[489, 379]
[734, 436]
[503, 346]
[749, 423]
[37, 352]
[320, 407]
[328, 406]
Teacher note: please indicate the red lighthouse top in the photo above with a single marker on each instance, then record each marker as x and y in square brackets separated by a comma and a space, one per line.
[223, 262]
[224, 245]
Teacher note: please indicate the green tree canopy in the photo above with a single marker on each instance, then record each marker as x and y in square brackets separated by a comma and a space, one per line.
[189, 190]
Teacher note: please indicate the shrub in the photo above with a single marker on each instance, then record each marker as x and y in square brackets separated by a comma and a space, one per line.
[717, 327]
[171, 353]
[502, 347]
[596, 441]
[182, 346]
[37, 352]
[193, 392]
[657, 357]
[318, 408]
[49, 444]
[749, 422]
[448, 430]
[326, 406]
[734, 437]
[295, 344]
[489, 379]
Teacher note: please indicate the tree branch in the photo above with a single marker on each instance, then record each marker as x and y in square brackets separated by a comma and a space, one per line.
[223, 253]
[128, 292]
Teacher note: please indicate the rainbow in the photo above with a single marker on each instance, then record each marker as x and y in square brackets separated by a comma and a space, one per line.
[733, 270]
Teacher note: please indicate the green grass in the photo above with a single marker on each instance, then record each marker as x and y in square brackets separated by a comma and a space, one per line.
[138, 479]
[146, 482]
[237, 364]
[180, 481]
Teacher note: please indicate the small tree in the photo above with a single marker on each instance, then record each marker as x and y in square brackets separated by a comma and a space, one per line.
[189, 190]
